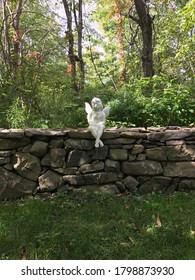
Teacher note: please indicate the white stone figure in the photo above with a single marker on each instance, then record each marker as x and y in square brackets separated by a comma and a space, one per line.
[96, 117]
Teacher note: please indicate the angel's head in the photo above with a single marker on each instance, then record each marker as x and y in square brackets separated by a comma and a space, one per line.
[96, 104]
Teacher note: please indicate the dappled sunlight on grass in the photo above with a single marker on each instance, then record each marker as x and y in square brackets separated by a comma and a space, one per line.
[99, 227]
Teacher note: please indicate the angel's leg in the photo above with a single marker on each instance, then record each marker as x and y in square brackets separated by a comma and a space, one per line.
[97, 132]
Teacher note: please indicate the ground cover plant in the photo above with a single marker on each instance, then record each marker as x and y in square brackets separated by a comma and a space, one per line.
[99, 227]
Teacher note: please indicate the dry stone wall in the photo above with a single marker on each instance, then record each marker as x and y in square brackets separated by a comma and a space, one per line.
[135, 160]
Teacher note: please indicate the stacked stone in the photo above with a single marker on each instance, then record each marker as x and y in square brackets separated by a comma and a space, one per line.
[135, 160]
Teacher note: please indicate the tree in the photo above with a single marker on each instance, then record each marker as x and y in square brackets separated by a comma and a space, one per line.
[74, 11]
[10, 36]
[145, 22]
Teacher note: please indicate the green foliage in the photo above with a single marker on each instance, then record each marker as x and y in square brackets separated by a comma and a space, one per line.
[40, 94]
[99, 227]
[154, 102]
[17, 115]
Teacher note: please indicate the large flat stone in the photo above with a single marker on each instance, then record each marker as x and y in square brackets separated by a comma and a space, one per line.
[11, 133]
[13, 143]
[30, 132]
[92, 167]
[121, 140]
[131, 134]
[79, 144]
[14, 186]
[170, 135]
[147, 167]
[118, 154]
[156, 154]
[180, 169]
[156, 183]
[26, 165]
[180, 152]
[90, 179]
[77, 158]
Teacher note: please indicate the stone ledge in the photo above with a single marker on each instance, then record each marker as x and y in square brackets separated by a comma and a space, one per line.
[133, 160]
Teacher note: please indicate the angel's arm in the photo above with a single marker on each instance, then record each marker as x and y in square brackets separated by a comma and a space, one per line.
[106, 111]
[88, 108]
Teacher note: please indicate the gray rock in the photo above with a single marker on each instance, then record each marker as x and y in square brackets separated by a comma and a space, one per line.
[4, 160]
[77, 158]
[130, 183]
[94, 166]
[156, 183]
[79, 144]
[90, 179]
[46, 161]
[175, 142]
[141, 157]
[31, 132]
[6, 153]
[109, 189]
[137, 149]
[57, 143]
[14, 143]
[67, 171]
[134, 135]
[50, 181]
[26, 165]
[147, 167]
[170, 135]
[118, 154]
[99, 153]
[156, 154]
[112, 165]
[83, 134]
[57, 157]
[131, 157]
[123, 141]
[14, 186]
[180, 152]
[186, 184]
[11, 133]
[180, 169]
[39, 148]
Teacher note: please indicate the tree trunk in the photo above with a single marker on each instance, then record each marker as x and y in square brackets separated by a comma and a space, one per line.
[79, 26]
[121, 42]
[70, 38]
[145, 22]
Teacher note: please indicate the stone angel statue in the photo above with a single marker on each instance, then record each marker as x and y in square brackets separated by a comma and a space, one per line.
[96, 117]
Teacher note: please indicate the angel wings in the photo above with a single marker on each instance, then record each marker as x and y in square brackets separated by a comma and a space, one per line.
[96, 117]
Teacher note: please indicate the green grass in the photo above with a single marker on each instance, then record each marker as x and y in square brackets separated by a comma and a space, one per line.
[99, 227]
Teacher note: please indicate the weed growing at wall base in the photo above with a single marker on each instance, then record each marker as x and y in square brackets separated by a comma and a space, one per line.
[99, 227]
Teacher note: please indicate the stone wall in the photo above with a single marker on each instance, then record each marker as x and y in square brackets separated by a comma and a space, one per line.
[135, 160]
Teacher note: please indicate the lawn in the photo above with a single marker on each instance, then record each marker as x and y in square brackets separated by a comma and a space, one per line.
[99, 227]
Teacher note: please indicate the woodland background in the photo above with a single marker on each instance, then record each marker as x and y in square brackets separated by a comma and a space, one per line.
[138, 56]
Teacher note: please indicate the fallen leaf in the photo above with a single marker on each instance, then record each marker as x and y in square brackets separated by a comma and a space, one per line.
[124, 244]
[158, 222]
[131, 240]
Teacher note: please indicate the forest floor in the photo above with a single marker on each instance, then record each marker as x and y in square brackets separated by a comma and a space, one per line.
[91, 227]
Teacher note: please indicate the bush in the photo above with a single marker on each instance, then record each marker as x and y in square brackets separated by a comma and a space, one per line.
[153, 102]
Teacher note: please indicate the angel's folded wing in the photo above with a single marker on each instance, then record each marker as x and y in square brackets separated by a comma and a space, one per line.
[88, 108]
[106, 111]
